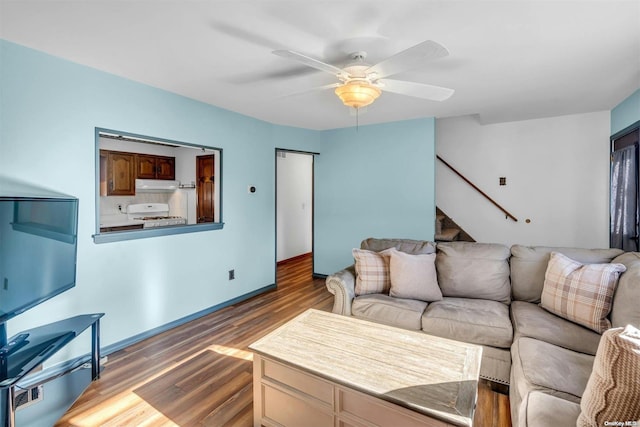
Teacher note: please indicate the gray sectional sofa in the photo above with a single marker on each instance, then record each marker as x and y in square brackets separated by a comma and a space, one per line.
[491, 296]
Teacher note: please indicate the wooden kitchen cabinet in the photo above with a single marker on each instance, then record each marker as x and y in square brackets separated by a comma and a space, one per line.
[145, 166]
[165, 167]
[119, 170]
[119, 179]
[155, 167]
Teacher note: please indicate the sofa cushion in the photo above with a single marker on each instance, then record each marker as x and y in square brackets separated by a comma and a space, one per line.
[625, 300]
[404, 245]
[529, 264]
[544, 366]
[582, 293]
[613, 389]
[474, 321]
[544, 410]
[403, 313]
[413, 276]
[474, 270]
[531, 320]
[372, 271]
[537, 365]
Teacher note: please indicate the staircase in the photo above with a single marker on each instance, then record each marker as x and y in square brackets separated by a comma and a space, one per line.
[448, 231]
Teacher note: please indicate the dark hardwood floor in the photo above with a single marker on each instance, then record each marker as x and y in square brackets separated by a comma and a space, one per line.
[200, 373]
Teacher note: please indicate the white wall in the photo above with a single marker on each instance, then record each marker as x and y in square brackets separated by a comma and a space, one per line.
[557, 172]
[294, 216]
[138, 147]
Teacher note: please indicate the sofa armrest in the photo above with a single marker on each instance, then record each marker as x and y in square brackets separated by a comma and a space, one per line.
[625, 300]
[342, 285]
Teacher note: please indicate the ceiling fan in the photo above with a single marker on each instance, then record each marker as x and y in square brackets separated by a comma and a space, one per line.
[360, 83]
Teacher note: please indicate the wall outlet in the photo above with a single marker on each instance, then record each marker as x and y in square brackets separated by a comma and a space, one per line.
[232, 274]
[103, 361]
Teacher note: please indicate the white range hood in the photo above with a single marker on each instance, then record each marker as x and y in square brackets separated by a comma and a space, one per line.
[156, 185]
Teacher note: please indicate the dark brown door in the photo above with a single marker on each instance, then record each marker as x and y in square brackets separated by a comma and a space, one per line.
[206, 179]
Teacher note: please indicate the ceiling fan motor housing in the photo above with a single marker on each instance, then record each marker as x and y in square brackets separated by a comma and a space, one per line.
[357, 92]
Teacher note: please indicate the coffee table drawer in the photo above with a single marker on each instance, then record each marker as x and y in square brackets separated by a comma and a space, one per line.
[298, 380]
[353, 405]
[288, 410]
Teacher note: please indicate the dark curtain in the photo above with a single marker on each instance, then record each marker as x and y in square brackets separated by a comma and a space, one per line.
[624, 199]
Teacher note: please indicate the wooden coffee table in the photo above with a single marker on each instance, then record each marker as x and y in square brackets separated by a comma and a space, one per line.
[324, 369]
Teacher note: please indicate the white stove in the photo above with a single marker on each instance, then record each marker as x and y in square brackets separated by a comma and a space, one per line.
[153, 215]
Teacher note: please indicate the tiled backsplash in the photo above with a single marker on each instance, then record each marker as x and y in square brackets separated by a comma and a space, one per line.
[109, 204]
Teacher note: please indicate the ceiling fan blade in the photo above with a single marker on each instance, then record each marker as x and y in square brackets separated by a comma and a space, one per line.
[259, 76]
[408, 59]
[244, 35]
[313, 89]
[417, 90]
[311, 62]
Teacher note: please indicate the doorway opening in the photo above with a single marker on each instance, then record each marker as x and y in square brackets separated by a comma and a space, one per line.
[294, 215]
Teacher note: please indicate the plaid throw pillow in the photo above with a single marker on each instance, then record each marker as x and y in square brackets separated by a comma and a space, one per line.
[372, 271]
[580, 292]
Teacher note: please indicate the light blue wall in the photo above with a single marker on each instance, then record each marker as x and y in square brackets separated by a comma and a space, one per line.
[626, 113]
[375, 181]
[50, 108]
[378, 181]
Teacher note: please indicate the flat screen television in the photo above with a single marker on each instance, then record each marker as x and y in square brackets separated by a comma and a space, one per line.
[38, 246]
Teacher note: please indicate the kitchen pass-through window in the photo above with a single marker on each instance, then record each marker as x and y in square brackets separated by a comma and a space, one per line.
[147, 187]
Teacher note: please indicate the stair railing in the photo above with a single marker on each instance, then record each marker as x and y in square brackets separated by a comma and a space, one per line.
[506, 212]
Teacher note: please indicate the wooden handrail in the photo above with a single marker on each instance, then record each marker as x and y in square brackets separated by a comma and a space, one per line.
[506, 212]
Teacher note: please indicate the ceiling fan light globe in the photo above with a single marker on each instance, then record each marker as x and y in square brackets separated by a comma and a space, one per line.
[357, 94]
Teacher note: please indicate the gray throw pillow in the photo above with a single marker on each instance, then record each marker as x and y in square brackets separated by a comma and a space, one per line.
[413, 276]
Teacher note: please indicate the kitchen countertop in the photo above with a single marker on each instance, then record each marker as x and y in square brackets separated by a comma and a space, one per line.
[118, 220]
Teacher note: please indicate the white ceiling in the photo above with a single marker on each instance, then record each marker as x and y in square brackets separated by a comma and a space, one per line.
[509, 60]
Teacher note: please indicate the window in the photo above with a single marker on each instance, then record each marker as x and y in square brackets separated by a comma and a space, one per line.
[625, 190]
[147, 186]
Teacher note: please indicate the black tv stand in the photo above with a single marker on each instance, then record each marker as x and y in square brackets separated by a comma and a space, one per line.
[23, 352]
[14, 345]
